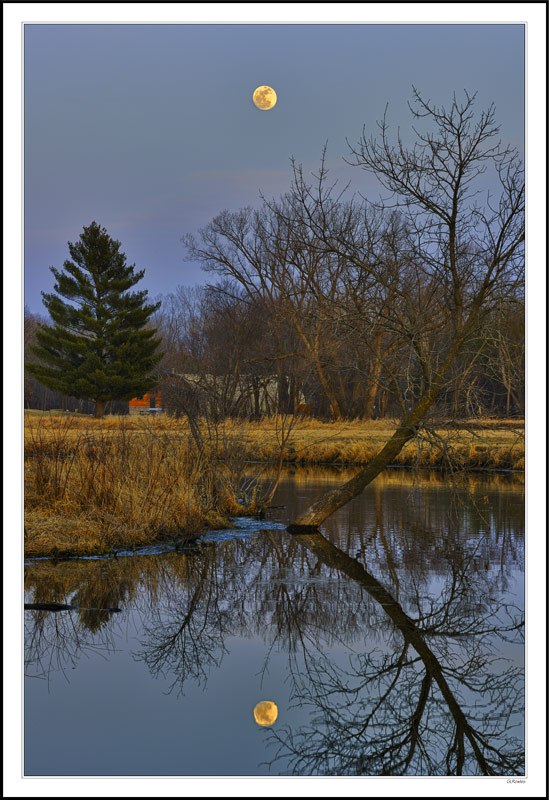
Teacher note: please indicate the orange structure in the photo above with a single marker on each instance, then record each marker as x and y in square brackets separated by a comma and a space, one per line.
[146, 402]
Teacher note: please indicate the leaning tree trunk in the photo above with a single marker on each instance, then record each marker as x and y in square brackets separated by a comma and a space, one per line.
[335, 558]
[335, 499]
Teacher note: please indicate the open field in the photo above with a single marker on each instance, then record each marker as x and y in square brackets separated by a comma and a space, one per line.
[95, 486]
[470, 444]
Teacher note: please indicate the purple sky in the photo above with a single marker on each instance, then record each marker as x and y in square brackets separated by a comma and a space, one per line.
[151, 130]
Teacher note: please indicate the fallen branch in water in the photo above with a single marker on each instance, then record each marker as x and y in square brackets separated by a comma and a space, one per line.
[63, 607]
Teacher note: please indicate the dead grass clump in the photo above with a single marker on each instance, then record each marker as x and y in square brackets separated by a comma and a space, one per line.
[117, 489]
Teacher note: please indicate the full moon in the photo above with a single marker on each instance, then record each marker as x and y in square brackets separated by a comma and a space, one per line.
[264, 97]
[265, 712]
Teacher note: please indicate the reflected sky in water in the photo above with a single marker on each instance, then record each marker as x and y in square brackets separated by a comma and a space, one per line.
[391, 643]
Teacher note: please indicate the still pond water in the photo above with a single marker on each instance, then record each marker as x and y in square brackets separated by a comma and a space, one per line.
[389, 644]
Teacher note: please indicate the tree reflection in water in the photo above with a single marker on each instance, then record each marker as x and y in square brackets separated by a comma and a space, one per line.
[443, 702]
[408, 671]
[186, 629]
[56, 641]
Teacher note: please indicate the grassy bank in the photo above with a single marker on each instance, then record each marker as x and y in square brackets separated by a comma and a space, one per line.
[482, 444]
[95, 486]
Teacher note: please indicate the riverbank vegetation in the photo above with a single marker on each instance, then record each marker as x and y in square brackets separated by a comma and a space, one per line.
[97, 486]
[486, 444]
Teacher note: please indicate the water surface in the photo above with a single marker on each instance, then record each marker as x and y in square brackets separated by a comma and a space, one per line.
[391, 643]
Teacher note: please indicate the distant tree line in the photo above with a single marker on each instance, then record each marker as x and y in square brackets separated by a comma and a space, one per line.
[354, 308]
[217, 332]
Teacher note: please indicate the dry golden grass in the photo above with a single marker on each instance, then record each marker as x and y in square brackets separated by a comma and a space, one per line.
[483, 444]
[92, 491]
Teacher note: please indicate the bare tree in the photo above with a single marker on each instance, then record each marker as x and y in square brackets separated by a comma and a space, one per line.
[281, 268]
[462, 256]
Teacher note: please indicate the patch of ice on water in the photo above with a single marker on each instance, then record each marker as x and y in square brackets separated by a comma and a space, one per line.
[245, 528]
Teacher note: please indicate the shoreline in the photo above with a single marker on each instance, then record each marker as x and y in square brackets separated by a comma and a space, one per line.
[98, 487]
[183, 539]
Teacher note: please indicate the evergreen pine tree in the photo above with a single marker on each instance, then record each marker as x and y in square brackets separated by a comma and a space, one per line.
[98, 348]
